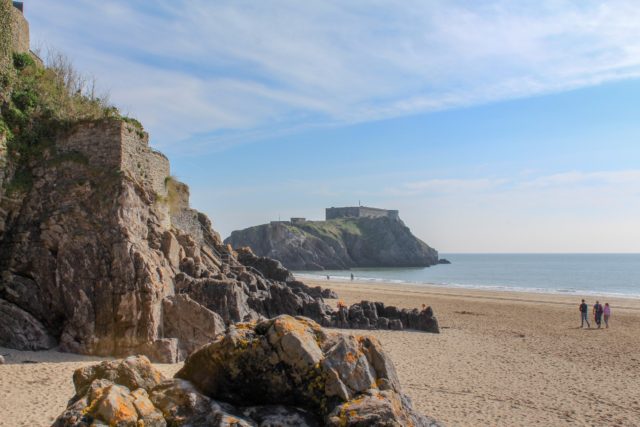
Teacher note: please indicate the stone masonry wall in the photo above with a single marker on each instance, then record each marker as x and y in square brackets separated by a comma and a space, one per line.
[144, 163]
[20, 31]
[359, 212]
[335, 213]
[116, 144]
[98, 141]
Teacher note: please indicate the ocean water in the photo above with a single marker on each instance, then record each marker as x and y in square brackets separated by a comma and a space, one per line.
[580, 274]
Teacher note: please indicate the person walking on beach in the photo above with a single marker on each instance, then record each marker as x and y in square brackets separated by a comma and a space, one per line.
[352, 277]
[607, 313]
[584, 314]
[597, 313]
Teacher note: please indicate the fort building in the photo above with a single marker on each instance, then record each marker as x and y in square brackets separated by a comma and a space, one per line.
[360, 212]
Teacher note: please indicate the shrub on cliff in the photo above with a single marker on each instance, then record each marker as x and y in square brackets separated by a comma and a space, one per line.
[39, 102]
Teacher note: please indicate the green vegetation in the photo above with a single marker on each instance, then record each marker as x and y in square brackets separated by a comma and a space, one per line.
[39, 104]
[333, 229]
[172, 199]
[5, 33]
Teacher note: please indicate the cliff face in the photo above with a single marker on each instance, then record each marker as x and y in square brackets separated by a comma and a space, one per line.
[101, 254]
[337, 244]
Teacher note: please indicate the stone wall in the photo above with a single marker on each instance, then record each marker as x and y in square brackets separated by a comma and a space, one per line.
[20, 31]
[359, 212]
[377, 213]
[145, 164]
[336, 213]
[98, 141]
[118, 145]
[188, 222]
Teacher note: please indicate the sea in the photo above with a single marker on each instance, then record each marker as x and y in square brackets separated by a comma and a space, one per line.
[579, 274]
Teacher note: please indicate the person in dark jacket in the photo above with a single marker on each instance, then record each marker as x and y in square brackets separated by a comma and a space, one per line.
[597, 313]
[584, 314]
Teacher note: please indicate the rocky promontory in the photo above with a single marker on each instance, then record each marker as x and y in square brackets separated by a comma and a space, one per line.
[337, 244]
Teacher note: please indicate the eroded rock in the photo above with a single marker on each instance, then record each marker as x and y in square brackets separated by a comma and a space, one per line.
[282, 372]
[22, 331]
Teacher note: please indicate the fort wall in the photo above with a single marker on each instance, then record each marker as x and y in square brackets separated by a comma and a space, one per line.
[360, 212]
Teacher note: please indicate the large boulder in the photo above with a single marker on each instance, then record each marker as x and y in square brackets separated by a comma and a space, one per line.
[192, 323]
[114, 393]
[293, 361]
[282, 372]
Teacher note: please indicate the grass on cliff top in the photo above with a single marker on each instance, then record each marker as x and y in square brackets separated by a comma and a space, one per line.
[40, 102]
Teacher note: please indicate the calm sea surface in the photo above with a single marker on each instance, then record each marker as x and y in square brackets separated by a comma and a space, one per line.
[608, 274]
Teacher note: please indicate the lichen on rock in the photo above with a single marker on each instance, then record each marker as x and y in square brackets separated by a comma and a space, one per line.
[286, 371]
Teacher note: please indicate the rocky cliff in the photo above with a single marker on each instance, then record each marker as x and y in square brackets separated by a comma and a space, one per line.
[337, 244]
[100, 252]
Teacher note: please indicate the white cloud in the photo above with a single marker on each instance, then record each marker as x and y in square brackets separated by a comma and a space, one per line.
[572, 211]
[448, 186]
[233, 70]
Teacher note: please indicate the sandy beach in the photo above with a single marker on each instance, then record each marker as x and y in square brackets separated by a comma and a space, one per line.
[503, 359]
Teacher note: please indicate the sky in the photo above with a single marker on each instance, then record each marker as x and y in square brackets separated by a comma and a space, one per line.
[492, 125]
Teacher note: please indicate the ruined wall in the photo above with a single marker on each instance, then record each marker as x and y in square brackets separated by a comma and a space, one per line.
[98, 141]
[20, 31]
[141, 161]
[183, 218]
[116, 144]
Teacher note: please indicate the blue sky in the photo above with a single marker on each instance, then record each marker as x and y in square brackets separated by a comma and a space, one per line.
[494, 126]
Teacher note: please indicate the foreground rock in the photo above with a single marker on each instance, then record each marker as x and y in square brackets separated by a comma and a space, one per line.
[281, 372]
[337, 244]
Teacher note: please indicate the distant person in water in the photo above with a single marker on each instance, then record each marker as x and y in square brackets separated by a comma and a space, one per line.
[597, 313]
[351, 276]
[607, 314]
[328, 278]
[584, 314]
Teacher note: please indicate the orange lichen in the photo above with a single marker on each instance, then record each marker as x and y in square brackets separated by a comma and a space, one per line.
[125, 411]
[350, 357]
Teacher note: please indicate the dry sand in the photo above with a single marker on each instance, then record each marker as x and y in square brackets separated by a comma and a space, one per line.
[502, 359]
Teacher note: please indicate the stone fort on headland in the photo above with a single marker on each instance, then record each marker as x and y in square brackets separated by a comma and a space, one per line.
[360, 212]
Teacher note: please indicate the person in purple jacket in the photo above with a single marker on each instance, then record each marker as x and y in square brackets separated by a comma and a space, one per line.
[607, 314]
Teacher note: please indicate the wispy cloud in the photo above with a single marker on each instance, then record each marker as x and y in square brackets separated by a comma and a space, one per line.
[226, 71]
[447, 186]
[573, 211]
[624, 180]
